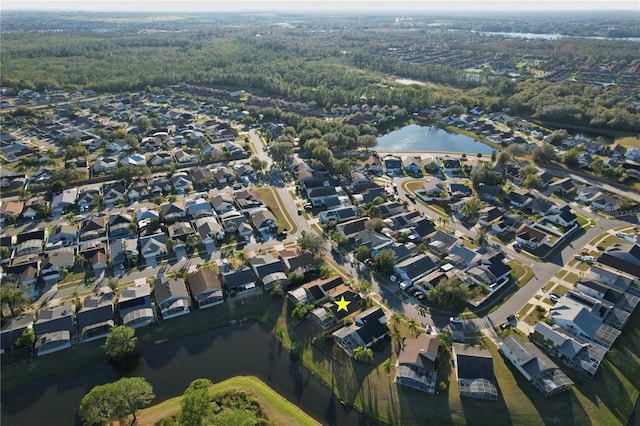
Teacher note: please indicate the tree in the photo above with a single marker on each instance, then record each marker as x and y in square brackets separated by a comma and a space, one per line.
[311, 243]
[363, 354]
[413, 326]
[281, 151]
[120, 343]
[395, 320]
[115, 401]
[361, 253]
[532, 182]
[557, 137]
[196, 403]
[367, 141]
[374, 224]
[365, 286]
[257, 164]
[543, 153]
[450, 293]
[386, 365]
[301, 311]
[385, 260]
[75, 151]
[504, 157]
[486, 175]
[527, 170]
[26, 339]
[14, 296]
[571, 157]
[471, 209]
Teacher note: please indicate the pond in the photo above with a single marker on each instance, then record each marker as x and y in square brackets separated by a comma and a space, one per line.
[415, 138]
[170, 368]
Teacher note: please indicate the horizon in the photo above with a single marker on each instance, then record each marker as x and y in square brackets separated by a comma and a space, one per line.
[457, 6]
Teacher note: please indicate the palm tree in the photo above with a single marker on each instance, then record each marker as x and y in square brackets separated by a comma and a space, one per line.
[363, 354]
[413, 326]
[395, 320]
[386, 365]
[481, 239]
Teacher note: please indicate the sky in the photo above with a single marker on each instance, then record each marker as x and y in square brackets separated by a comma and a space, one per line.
[328, 5]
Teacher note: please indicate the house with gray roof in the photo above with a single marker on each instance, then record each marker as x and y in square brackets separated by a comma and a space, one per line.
[171, 296]
[13, 328]
[134, 306]
[55, 318]
[240, 282]
[474, 371]
[414, 268]
[535, 366]
[368, 327]
[581, 321]
[96, 318]
[152, 247]
[269, 270]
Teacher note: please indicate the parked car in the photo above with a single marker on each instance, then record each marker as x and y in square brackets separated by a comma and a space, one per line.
[517, 247]
[554, 297]
[620, 234]
[511, 317]
[368, 262]
[578, 257]
[308, 207]
[589, 259]
[455, 320]
[411, 197]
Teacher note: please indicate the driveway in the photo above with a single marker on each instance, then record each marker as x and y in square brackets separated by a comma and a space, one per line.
[181, 252]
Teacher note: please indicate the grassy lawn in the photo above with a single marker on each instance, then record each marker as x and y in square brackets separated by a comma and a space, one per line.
[523, 311]
[548, 286]
[571, 277]
[561, 290]
[279, 410]
[611, 240]
[585, 222]
[520, 272]
[561, 273]
[629, 141]
[272, 199]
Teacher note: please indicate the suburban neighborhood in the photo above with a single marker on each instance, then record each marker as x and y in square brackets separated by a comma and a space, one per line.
[192, 210]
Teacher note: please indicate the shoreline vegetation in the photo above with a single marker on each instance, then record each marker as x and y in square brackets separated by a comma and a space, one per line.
[278, 409]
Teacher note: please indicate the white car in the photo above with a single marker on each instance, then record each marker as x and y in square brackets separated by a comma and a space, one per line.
[620, 234]
[554, 298]
[589, 259]
[455, 320]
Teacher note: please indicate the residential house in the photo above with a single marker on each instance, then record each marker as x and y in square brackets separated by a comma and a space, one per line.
[93, 228]
[13, 328]
[62, 235]
[87, 199]
[199, 208]
[535, 366]
[222, 203]
[488, 193]
[114, 193]
[239, 282]
[339, 215]
[138, 190]
[351, 228]
[433, 188]
[368, 327]
[134, 306]
[531, 237]
[138, 160]
[105, 164]
[24, 270]
[224, 176]
[579, 354]
[451, 165]
[52, 342]
[414, 268]
[625, 258]
[416, 363]
[161, 186]
[606, 203]
[441, 242]
[55, 318]
[374, 165]
[160, 158]
[462, 257]
[491, 271]
[519, 199]
[411, 165]
[541, 206]
[179, 232]
[393, 165]
[330, 314]
[33, 207]
[474, 371]
[459, 190]
[62, 202]
[120, 225]
[565, 217]
[171, 296]
[563, 186]
[232, 221]
[96, 318]
[248, 200]
[55, 261]
[581, 321]
[323, 196]
[202, 178]
[263, 220]
[152, 247]
[124, 252]
[269, 270]
[302, 262]
[95, 254]
[206, 288]
[489, 216]
[208, 229]
[182, 182]
[315, 291]
[185, 156]
[172, 212]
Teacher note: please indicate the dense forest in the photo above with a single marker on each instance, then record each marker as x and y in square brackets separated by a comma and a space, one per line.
[538, 79]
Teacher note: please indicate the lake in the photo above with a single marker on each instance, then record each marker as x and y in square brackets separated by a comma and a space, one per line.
[415, 138]
[249, 349]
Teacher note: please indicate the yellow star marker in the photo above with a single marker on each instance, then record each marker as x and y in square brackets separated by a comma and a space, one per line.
[342, 304]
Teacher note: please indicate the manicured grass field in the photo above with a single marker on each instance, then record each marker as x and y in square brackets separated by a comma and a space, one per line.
[279, 410]
[272, 199]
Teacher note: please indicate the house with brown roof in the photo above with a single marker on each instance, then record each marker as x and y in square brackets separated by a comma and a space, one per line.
[171, 296]
[416, 364]
[531, 237]
[206, 288]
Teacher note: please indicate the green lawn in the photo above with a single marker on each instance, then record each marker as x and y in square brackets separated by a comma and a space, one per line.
[272, 199]
[279, 410]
